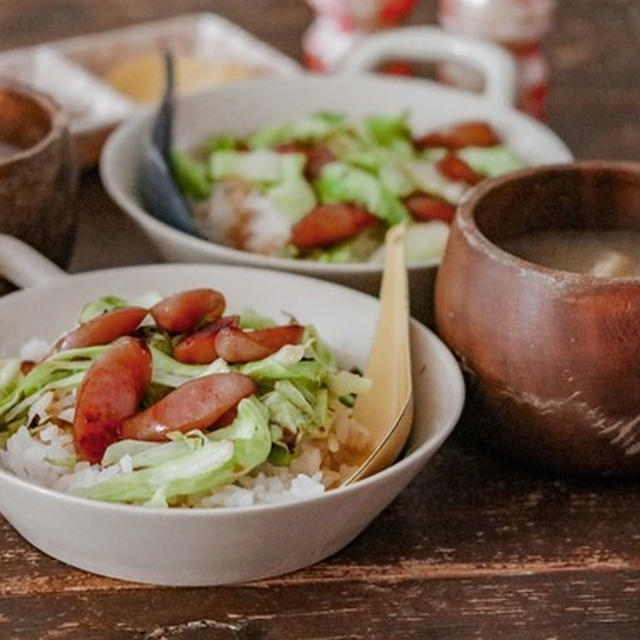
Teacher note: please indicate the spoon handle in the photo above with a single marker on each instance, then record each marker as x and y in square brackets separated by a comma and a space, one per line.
[387, 366]
[388, 410]
[163, 126]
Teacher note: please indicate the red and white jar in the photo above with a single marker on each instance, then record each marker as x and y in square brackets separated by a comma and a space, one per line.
[518, 25]
[341, 23]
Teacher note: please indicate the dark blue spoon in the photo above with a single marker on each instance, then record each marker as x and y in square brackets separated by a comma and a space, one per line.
[160, 193]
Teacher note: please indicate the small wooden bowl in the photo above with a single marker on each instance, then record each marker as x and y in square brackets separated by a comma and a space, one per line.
[554, 356]
[37, 172]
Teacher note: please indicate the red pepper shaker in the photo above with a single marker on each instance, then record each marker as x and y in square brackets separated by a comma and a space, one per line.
[341, 23]
[518, 25]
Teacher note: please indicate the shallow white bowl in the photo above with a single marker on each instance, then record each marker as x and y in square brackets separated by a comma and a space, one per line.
[242, 108]
[217, 546]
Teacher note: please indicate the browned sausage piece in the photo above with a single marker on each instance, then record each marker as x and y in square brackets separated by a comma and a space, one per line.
[185, 310]
[195, 405]
[464, 134]
[236, 345]
[103, 329]
[426, 208]
[328, 224]
[110, 391]
[200, 347]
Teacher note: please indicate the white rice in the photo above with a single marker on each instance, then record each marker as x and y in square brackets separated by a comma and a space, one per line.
[265, 488]
[240, 216]
[39, 408]
[46, 455]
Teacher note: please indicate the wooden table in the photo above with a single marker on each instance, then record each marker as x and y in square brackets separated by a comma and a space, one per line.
[476, 547]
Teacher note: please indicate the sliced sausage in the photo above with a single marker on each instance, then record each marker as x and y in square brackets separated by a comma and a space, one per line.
[194, 405]
[276, 337]
[235, 345]
[26, 366]
[457, 169]
[200, 347]
[226, 418]
[328, 224]
[110, 391]
[463, 134]
[104, 328]
[184, 311]
[426, 208]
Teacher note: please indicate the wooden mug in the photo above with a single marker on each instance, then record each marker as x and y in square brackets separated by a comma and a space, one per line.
[554, 356]
[37, 172]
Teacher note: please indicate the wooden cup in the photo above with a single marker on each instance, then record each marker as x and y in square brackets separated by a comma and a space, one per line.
[553, 356]
[37, 172]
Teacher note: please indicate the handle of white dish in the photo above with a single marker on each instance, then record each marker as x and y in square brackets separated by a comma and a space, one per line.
[23, 265]
[431, 44]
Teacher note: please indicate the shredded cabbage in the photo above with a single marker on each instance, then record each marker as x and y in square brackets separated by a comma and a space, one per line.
[202, 469]
[316, 126]
[375, 164]
[340, 182]
[344, 383]
[100, 306]
[280, 175]
[386, 129]
[192, 175]
[491, 161]
[251, 319]
[62, 369]
[261, 166]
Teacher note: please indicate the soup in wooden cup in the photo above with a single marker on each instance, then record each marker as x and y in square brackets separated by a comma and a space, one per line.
[551, 339]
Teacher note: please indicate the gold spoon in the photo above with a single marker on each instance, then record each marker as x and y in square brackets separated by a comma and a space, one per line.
[387, 411]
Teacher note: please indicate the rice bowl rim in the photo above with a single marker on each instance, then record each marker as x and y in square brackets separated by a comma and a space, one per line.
[444, 430]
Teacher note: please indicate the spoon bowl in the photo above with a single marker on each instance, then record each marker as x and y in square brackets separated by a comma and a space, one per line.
[159, 191]
[388, 409]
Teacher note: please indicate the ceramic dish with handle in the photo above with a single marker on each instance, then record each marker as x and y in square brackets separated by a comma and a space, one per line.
[244, 108]
[222, 545]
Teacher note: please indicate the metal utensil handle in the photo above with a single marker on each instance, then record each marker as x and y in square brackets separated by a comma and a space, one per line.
[431, 44]
[23, 265]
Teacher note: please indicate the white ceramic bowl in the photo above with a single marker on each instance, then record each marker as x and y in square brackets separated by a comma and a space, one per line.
[244, 107]
[216, 546]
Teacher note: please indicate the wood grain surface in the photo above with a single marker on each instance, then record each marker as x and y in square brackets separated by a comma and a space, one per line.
[477, 546]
